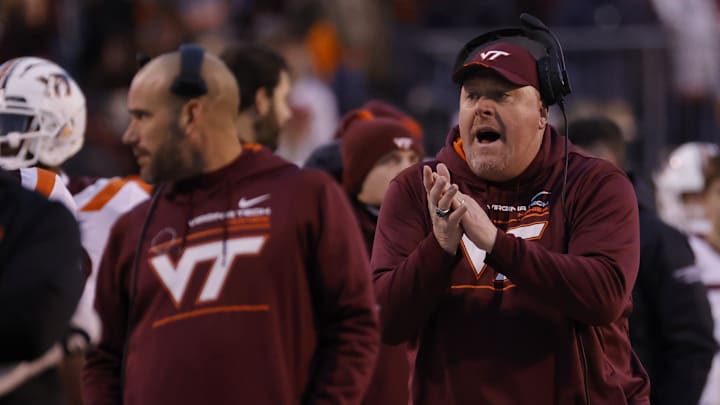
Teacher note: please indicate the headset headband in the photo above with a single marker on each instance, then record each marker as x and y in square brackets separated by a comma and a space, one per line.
[552, 74]
[189, 83]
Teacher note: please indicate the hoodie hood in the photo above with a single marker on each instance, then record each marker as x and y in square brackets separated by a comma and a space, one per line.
[253, 160]
[551, 151]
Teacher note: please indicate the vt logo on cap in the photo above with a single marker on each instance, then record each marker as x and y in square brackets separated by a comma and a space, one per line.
[492, 55]
[403, 143]
[511, 61]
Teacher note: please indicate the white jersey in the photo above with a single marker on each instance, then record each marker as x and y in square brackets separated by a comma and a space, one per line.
[48, 184]
[99, 206]
[708, 260]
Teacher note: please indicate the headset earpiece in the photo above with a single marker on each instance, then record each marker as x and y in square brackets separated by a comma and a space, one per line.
[554, 68]
[189, 83]
[547, 77]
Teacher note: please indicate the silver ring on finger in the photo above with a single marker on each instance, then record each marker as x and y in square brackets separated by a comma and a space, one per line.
[442, 213]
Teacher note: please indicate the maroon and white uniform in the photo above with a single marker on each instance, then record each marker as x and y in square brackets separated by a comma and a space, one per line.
[526, 323]
[251, 286]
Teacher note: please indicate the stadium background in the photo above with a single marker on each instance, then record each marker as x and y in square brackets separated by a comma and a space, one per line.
[651, 64]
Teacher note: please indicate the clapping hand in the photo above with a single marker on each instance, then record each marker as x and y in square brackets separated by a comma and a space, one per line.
[445, 207]
[476, 224]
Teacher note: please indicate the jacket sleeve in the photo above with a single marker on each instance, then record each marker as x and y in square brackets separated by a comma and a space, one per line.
[347, 325]
[593, 282]
[41, 276]
[102, 372]
[682, 325]
[411, 271]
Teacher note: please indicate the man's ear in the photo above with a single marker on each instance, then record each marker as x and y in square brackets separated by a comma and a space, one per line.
[542, 123]
[191, 115]
[262, 102]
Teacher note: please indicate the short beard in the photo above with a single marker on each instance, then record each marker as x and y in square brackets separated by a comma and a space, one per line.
[267, 129]
[175, 159]
[482, 167]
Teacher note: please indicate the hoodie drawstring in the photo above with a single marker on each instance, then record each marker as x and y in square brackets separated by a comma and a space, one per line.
[188, 218]
[228, 208]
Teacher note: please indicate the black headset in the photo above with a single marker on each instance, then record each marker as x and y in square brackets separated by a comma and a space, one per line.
[189, 82]
[544, 46]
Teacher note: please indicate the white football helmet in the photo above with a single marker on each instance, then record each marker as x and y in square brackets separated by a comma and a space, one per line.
[42, 114]
[683, 175]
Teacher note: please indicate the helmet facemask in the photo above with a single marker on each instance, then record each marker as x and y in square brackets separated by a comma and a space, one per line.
[42, 115]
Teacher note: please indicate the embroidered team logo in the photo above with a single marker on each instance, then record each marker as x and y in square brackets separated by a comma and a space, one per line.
[492, 55]
[162, 241]
[539, 204]
[175, 275]
[403, 143]
[476, 256]
[5, 70]
[538, 200]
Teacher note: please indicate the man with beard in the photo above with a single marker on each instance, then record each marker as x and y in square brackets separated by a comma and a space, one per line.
[241, 280]
[264, 81]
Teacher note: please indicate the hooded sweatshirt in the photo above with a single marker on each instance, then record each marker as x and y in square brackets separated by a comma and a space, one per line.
[542, 319]
[252, 286]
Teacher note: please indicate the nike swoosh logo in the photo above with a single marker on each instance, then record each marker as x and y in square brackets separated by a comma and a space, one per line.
[243, 203]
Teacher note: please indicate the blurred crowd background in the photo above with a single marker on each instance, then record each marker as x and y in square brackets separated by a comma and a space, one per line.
[653, 65]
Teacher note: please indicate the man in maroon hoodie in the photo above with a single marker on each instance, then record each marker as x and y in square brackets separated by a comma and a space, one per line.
[374, 150]
[507, 292]
[242, 280]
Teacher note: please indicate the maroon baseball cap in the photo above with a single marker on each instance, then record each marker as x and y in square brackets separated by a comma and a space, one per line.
[511, 61]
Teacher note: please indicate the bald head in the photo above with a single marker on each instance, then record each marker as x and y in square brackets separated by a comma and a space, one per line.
[161, 71]
[176, 137]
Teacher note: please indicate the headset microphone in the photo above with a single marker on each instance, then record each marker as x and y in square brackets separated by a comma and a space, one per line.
[534, 23]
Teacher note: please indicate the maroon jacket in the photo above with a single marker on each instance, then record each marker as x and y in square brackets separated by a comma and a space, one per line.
[272, 306]
[525, 324]
[389, 383]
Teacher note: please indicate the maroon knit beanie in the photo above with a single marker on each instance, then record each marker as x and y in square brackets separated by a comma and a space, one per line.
[366, 139]
[378, 109]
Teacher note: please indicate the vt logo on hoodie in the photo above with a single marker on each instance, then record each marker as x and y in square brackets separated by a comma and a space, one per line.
[476, 256]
